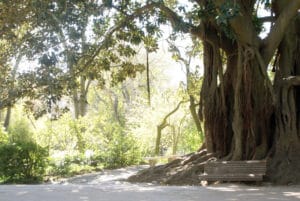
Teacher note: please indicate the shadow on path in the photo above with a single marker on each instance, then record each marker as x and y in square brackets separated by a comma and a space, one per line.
[109, 186]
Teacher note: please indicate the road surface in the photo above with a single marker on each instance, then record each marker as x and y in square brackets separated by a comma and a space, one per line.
[109, 186]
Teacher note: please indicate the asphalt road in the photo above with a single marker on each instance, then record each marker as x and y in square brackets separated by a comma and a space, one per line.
[108, 186]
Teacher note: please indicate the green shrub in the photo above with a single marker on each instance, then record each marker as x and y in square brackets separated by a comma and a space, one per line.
[69, 165]
[22, 162]
[62, 169]
[20, 131]
[122, 151]
[3, 136]
[191, 141]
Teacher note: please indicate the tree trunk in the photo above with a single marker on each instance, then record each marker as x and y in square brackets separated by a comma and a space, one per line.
[285, 163]
[7, 118]
[148, 77]
[9, 108]
[237, 111]
[114, 100]
[163, 125]
[246, 116]
[195, 116]
[80, 98]
[242, 112]
[175, 139]
[158, 138]
[210, 106]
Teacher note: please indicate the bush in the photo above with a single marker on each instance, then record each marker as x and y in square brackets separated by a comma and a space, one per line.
[59, 167]
[121, 151]
[3, 135]
[66, 165]
[20, 131]
[22, 162]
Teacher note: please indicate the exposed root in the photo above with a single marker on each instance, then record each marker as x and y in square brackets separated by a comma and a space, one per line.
[182, 171]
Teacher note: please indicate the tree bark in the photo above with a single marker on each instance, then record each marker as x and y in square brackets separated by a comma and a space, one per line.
[148, 77]
[245, 115]
[80, 98]
[285, 163]
[9, 108]
[195, 116]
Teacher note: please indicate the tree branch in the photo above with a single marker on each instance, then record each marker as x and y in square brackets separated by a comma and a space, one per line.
[113, 29]
[242, 25]
[275, 36]
[292, 80]
[175, 20]
[164, 121]
[267, 19]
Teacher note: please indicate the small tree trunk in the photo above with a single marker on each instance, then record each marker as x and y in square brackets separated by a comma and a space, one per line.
[76, 104]
[9, 108]
[196, 117]
[148, 77]
[80, 98]
[115, 106]
[174, 140]
[7, 118]
[158, 138]
[163, 125]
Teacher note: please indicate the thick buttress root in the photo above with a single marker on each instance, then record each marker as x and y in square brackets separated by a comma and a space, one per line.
[182, 171]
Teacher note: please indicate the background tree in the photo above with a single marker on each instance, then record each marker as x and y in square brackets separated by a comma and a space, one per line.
[192, 76]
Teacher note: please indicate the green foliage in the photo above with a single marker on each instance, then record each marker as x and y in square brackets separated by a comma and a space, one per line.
[191, 140]
[227, 11]
[208, 10]
[22, 162]
[267, 3]
[121, 150]
[87, 143]
[3, 136]
[77, 128]
[70, 165]
[78, 41]
[19, 131]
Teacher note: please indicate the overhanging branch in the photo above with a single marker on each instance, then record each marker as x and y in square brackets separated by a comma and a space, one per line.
[164, 121]
[275, 36]
[267, 19]
[175, 20]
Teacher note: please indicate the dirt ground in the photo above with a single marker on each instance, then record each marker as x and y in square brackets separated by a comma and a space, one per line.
[111, 186]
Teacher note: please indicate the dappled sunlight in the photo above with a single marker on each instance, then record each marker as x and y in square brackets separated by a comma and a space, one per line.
[225, 188]
[293, 194]
[242, 192]
[22, 193]
[123, 191]
[105, 176]
[109, 185]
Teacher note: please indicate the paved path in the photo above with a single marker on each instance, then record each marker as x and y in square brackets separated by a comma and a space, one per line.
[108, 186]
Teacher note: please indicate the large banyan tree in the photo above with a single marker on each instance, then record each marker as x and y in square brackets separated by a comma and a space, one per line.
[246, 114]
[249, 112]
